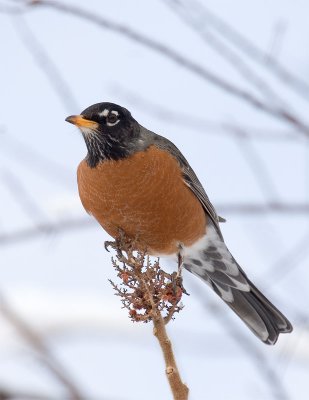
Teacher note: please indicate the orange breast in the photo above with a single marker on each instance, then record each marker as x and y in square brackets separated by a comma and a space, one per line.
[146, 197]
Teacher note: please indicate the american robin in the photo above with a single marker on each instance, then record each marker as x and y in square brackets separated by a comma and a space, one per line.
[135, 181]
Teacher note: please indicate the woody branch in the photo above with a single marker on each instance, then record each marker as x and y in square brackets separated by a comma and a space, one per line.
[150, 294]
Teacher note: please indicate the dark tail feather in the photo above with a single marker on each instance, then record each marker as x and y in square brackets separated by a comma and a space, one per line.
[259, 314]
[216, 266]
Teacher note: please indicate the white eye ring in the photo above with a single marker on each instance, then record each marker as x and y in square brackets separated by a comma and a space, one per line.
[113, 115]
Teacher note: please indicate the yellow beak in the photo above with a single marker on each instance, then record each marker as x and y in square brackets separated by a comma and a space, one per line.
[82, 122]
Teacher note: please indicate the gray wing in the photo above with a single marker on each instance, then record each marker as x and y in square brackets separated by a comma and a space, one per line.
[189, 176]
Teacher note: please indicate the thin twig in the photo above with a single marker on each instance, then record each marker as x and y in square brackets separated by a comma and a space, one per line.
[195, 122]
[244, 44]
[69, 225]
[39, 346]
[288, 262]
[261, 209]
[262, 177]
[197, 23]
[5, 9]
[22, 196]
[39, 163]
[275, 45]
[45, 63]
[257, 165]
[178, 58]
[267, 373]
[63, 226]
[10, 394]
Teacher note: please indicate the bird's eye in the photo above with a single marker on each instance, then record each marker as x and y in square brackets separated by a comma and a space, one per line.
[112, 118]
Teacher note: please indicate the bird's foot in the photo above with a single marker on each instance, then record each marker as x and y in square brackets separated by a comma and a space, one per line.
[177, 282]
[114, 244]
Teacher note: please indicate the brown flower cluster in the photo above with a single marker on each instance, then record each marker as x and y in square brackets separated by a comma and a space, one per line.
[145, 289]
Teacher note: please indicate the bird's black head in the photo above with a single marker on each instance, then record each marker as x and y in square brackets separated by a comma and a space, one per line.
[110, 132]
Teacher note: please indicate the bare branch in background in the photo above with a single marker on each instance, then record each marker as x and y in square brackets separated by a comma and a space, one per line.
[45, 63]
[37, 162]
[288, 262]
[6, 9]
[262, 177]
[253, 52]
[197, 23]
[208, 127]
[22, 196]
[9, 394]
[275, 47]
[267, 208]
[257, 166]
[74, 224]
[63, 226]
[264, 369]
[248, 151]
[45, 355]
[160, 48]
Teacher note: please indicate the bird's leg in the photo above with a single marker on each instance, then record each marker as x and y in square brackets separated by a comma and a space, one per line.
[180, 260]
[177, 277]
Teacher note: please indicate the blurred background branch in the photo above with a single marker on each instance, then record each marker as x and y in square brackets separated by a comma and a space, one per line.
[81, 223]
[45, 355]
[160, 48]
[242, 43]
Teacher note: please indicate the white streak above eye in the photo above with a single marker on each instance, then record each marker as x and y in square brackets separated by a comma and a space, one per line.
[115, 112]
[104, 113]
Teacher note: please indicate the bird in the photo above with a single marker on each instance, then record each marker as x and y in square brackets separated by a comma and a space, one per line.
[135, 181]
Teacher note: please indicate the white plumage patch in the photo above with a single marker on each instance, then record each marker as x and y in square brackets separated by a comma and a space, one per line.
[210, 259]
[104, 113]
[113, 123]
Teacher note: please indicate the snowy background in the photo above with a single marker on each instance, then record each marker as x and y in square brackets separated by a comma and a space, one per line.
[53, 267]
